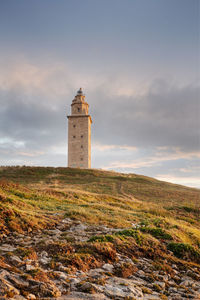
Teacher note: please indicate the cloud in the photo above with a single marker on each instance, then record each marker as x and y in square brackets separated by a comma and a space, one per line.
[161, 118]
[191, 181]
[101, 147]
[157, 158]
[167, 115]
[30, 154]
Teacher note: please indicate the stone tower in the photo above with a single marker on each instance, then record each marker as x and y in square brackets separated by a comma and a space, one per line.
[79, 133]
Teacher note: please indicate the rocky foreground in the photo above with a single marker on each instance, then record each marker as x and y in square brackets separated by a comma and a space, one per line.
[52, 264]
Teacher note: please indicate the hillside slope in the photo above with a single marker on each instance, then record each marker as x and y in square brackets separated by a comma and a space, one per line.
[103, 197]
[106, 216]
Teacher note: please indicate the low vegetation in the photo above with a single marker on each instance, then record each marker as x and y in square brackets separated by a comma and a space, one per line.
[153, 216]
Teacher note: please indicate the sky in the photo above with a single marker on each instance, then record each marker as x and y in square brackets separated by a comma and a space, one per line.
[138, 63]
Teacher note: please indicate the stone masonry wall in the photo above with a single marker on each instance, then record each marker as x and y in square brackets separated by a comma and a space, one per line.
[79, 141]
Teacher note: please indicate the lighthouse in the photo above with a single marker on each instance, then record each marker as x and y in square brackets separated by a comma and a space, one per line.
[79, 133]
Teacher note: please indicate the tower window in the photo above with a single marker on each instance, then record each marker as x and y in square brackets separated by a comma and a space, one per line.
[82, 146]
[74, 125]
[81, 136]
[78, 108]
[81, 158]
[74, 136]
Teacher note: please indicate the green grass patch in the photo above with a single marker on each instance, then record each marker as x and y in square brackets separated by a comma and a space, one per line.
[101, 238]
[184, 251]
[158, 233]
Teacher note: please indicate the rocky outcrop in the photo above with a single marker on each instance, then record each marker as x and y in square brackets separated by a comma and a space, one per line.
[60, 263]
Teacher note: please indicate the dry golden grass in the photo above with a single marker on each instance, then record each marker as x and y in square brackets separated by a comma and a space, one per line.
[97, 197]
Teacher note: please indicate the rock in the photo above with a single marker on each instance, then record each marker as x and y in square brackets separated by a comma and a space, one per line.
[151, 297]
[79, 227]
[87, 287]
[43, 254]
[30, 297]
[44, 259]
[121, 292]
[61, 275]
[4, 273]
[67, 221]
[108, 267]
[165, 278]
[30, 267]
[184, 283]
[176, 277]
[135, 282]
[15, 260]
[176, 296]
[55, 232]
[83, 296]
[140, 273]
[172, 290]
[121, 288]
[44, 289]
[161, 284]
[17, 281]
[174, 266]
[49, 290]
[95, 273]
[171, 283]
[7, 248]
[6, 288]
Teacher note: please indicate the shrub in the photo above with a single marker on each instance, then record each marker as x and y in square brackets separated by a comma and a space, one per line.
[157, 233]
[131, 233]
[184, 251]
[101, 238]
[190, 209]
[125, 270]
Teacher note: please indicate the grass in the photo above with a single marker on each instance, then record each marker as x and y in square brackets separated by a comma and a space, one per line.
[183, 251]
[31, 196]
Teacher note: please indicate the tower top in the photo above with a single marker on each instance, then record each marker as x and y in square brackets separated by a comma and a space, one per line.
[80, 97]
[80, 92]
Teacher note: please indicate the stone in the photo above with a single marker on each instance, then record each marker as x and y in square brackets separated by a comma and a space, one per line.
[45, 260]
[140, 273]
[96, 273]
[172, 290]
[151, 297]
[15, 260]
[4, 273]
[176, 296]
[55, 232]
[161, 284]
[79, 227]
[184, 283]
[87, 287]
[67, 221]
[61, 275]
[7, 248]
[6, 287]
[30, 297]
[49, 290]
[108, 267]
[17, 281]
[121, 288]
[30, 267]
[74, 295]
[43, 254]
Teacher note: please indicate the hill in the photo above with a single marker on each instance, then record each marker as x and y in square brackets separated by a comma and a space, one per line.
[99, 217]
